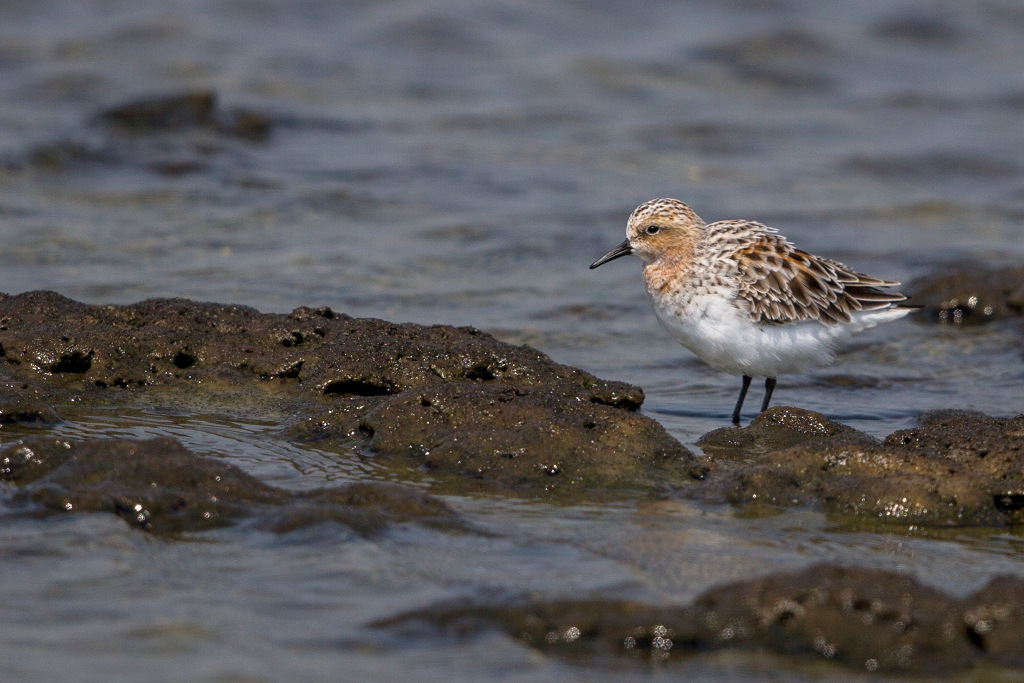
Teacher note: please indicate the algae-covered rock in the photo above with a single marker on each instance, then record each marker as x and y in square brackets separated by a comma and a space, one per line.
[528, 437]
[863, 619]
[313, 353]
[22, 404]
[993, 619]
[955, 469]
[454, 399]
[160, 486]
[777, 428]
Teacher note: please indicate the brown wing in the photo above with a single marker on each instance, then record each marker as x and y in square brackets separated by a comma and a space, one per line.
[780, 284]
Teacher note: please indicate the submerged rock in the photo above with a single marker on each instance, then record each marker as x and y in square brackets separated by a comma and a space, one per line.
[788, 60]
[954, 469]
[160, 486]
[26, 462]
[194, 108]
[970, 295]
[191, 109]
[863, 619]
[993, 619]
[156, 484]
[365, 507]
[172, 135]
[22, 403]
[450, 399]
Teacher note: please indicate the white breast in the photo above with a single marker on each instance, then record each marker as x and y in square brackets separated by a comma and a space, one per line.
[720, 334]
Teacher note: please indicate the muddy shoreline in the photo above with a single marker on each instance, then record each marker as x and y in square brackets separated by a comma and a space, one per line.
[482, 416]
[486, 415]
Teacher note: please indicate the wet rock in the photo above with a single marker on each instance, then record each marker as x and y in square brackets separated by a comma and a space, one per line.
[919, 30]
[22, 403]
[313, 353]
[453, 399]
[339, 422]
[193, 109]
[954, 469]
[182, 110]
[528, 437]
[970, 294]
[173, 135]
[436, 34]
[863, 619]
[788, 60]
[932, 166]
[34, 458]
[703, 138]
[993, 619]
[62, 155]
[867, 619]
[158, 485]
[246, 124]
[366, 508]
[774, 429]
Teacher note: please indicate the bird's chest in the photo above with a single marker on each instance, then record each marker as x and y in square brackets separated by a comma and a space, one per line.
[694, 307]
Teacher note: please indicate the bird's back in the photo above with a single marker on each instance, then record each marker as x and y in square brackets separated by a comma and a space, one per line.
[776, 283]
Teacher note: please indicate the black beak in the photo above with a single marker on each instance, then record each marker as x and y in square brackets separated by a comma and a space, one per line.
[622, 250]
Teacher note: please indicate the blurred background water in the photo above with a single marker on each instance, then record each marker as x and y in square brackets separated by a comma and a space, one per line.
[463, 162]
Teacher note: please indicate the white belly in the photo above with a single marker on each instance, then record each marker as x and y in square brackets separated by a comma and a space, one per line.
[724, 337]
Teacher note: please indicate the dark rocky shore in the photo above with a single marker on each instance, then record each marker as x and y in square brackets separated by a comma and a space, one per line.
[956, 468]
[442, 399]
[863, 619]
[480, 415]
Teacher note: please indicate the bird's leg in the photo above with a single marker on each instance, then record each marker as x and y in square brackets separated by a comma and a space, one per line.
[739, 402]
[769, 387]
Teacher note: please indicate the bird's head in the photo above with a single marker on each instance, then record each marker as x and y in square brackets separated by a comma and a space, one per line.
[658, 229]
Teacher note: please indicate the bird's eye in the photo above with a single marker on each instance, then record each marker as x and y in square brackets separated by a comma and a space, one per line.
[652, 229]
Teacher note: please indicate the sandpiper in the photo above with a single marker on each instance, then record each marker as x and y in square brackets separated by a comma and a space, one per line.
[746, 301]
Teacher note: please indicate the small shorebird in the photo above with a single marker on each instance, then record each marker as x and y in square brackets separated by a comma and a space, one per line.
[745, 300]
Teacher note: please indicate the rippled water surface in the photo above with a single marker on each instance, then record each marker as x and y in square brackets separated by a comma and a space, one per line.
[460, 162]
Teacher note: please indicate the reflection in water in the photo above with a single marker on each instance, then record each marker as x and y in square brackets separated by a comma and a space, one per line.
[253, 445]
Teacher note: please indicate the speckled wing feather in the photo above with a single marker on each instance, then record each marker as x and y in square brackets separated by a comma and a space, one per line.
[779, 283]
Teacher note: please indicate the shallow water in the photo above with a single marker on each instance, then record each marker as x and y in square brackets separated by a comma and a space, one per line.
[459, 162]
